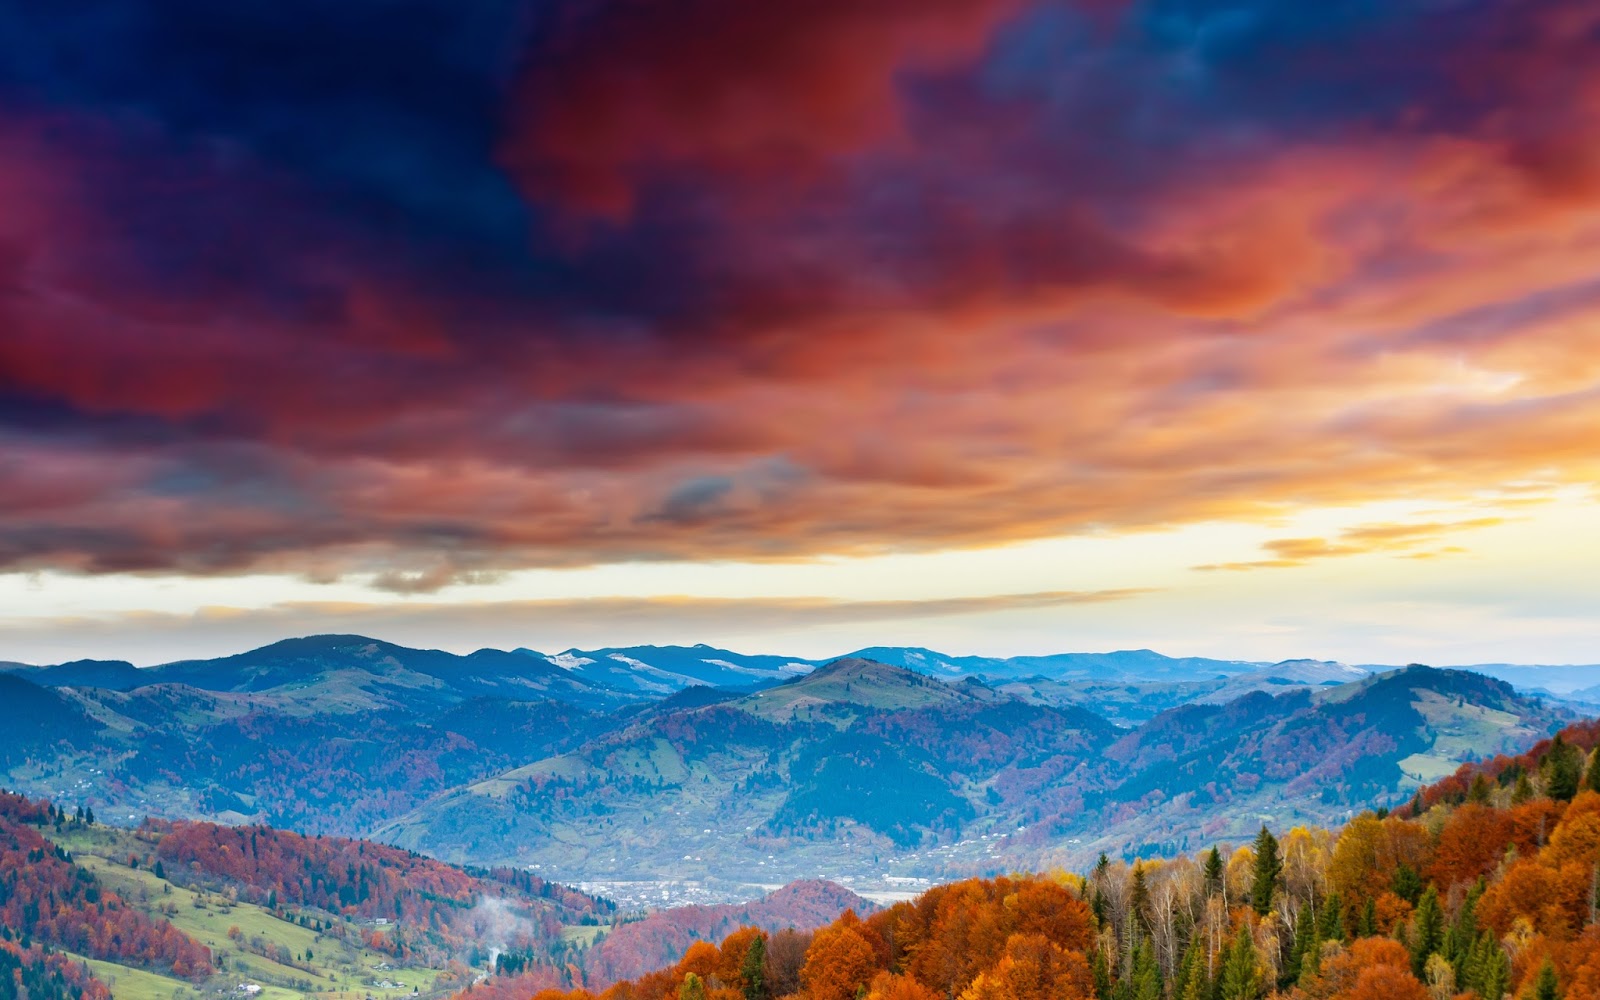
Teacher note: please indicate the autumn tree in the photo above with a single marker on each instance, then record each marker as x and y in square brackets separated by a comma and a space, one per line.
[839, 962]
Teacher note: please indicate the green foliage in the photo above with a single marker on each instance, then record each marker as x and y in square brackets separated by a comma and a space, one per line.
[1487, 970]
[1241, 974]
[1407, 883]
[1214, 871]
[1269, 865]
[1546, 987]
[754, 969]
[1305, 938]
[693, 988]
[1101, 972]
[1594, 771]
[1332, 928]
[1427, 931]
[1563, 766]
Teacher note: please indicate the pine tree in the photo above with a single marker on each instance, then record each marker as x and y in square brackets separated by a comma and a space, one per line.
[1102, 975]
[1479, 792]
[1523, 790]
[1547, 987]
[1332, 928]
[1564, 765]
[1407, 883]
[754, 969]
[1268, 867]
[1427, 931]
[1369, 920]
[1146, 978]
[1213, 871]
[693, 988]
[1594, 771]
[1139, 902]
[1240, 978]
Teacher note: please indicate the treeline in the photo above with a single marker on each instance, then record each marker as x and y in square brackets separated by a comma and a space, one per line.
[35, 974]
[1486, 888]
[430, 909]
[45, 897]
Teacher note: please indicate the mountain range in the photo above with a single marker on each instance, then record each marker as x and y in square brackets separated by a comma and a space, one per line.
[721, 775]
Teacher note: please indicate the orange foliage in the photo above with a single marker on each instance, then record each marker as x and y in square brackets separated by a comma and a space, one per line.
[839, 962]
[1473, 841]
[888, 986]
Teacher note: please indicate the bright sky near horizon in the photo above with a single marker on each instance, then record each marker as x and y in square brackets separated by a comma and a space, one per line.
[1242, 329]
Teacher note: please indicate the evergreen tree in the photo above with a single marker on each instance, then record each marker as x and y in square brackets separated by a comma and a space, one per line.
[1139, 902]
[1523, 790]
[1407, 883]
[693, 988]
[1547, 987]
[1488, 970]
[1146, 978]
[1369, 920]
[1213, 871]
[1240, 977]
[1479, 792]
[1192, 974]
[1268, 867]
[1332, 928]
[1427, 931]
[754, 969]
[1564, 770]
[1594, 771]
[1102, 975]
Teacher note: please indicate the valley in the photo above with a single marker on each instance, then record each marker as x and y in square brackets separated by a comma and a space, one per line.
[881, 776]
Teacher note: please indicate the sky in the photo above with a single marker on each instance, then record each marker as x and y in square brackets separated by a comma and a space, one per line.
[1248, 328]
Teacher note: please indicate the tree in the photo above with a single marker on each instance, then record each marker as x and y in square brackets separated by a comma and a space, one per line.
[1241, 975]
[1594, 771]
[1306, 934]
[1564, 768]
[1268, 867]
[1547, 987]
[838, 964]
[1332, 928]
[1478, 794]
[693, 988]
[1214, 871]
[753, 970]
[1523, 790]
[1427, 930]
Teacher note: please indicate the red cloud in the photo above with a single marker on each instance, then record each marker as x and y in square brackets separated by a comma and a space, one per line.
[727, 85]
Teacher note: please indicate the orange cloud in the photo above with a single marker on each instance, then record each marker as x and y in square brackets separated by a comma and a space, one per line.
[1399, 539]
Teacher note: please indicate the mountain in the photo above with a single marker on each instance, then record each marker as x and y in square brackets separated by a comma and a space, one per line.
[857, 760]
[658, 670]
[853, 769]
[863, 769]
[346, 672]
[1558, 680]
[1123, 665]
[37, 722]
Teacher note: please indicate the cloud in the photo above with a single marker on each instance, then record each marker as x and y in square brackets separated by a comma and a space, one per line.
[470, 626]
[871, 277]
[1403, 540]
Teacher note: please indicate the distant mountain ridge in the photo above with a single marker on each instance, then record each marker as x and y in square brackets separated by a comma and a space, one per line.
[610, 675]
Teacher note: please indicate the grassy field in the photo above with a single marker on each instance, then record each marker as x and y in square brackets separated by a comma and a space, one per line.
[338, 968]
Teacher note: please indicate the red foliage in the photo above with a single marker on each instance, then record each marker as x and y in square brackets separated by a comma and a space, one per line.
[43, 894]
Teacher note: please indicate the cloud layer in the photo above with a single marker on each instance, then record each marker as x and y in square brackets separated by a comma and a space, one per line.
[466, 288]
